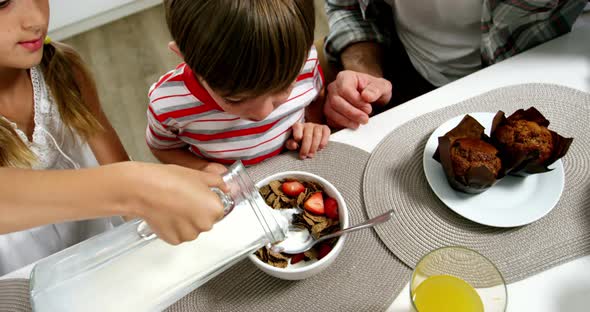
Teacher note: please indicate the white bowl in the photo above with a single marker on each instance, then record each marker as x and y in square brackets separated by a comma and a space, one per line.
[305, 269]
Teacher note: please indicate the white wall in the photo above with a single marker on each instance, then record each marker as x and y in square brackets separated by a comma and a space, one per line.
[70, 17]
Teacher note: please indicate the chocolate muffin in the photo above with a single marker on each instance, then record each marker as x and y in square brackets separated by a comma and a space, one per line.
[524, 137]
[470, 153]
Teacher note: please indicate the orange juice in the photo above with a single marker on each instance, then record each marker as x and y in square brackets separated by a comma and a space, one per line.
[445, 293]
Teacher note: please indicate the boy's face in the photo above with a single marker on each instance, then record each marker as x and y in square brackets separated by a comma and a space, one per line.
[23, 26]
[252, 108]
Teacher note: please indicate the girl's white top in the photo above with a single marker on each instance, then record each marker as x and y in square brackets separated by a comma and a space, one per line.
[56, 148]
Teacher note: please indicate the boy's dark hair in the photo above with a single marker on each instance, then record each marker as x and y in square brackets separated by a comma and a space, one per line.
[243, 47]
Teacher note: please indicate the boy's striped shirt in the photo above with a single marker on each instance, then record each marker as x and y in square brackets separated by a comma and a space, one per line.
[181, 114]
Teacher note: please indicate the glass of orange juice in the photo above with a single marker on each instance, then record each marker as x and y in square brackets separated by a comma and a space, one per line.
[457, 279]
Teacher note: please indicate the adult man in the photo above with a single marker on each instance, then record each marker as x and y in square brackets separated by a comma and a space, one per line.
[419, 45]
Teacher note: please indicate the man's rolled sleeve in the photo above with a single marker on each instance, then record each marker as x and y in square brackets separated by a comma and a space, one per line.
[348, 25]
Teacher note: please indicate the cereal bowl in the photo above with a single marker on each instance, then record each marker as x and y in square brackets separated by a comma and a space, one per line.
[305, 269]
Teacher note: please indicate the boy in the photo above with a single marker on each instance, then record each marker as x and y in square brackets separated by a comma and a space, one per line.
[245, 89]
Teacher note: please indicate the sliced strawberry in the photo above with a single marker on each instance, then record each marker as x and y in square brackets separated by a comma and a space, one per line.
[293, 188]
[298, 257]
[324, 250]
[331, 208]
[315, 204]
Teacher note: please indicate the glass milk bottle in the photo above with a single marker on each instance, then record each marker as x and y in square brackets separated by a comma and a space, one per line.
[129, 269]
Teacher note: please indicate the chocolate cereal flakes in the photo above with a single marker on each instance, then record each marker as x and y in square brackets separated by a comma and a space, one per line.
[319, 217]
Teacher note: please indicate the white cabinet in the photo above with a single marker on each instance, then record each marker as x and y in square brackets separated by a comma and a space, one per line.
[70, 17]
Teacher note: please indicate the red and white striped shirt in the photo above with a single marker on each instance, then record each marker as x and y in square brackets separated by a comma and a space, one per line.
[181, 114]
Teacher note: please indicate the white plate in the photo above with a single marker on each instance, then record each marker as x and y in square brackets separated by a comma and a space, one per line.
[513, 201]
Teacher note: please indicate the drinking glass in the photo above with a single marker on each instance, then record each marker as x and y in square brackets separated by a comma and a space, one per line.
[457, 279]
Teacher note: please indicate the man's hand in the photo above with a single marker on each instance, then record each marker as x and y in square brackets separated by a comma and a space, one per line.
[350, 96]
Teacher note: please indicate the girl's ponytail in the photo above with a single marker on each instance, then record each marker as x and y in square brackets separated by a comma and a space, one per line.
[13, 151]
[63, 69]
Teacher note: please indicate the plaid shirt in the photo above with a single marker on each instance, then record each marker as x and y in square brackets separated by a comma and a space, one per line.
[507, 26]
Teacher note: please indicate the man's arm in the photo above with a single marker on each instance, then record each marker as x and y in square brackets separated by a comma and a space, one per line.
[356, 43]
[353, 41]
[363, 57]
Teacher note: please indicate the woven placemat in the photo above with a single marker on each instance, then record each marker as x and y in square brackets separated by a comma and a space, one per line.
[364, 277]
[14, 295]
[394, 178]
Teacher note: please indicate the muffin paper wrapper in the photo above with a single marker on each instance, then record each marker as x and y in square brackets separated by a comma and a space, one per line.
[522, 164]
[477, 179]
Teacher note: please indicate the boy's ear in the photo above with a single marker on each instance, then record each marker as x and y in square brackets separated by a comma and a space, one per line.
[174, 48]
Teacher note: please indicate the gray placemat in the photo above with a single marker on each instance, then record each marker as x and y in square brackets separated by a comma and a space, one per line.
[14, 295]
[394, 178]
[364, 277]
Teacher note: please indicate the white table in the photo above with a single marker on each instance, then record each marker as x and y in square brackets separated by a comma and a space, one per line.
[564, 61]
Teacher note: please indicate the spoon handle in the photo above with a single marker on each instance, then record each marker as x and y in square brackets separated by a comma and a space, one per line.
[369, 223]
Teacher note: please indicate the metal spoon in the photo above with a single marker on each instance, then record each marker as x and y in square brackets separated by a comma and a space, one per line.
[299, 240]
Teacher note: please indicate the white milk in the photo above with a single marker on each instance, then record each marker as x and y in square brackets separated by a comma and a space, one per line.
[154, 276]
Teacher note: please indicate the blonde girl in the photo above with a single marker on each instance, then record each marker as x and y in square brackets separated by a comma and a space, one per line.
[50, 118]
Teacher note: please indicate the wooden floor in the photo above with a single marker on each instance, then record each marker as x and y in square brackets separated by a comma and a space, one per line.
[126, 57]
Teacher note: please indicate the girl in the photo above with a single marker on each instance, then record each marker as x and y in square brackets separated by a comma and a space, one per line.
[50, 118]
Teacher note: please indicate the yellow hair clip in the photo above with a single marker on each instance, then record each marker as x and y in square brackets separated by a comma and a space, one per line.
[47, 40]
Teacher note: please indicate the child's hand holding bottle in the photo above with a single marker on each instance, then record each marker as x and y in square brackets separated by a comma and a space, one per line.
[175, 201]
